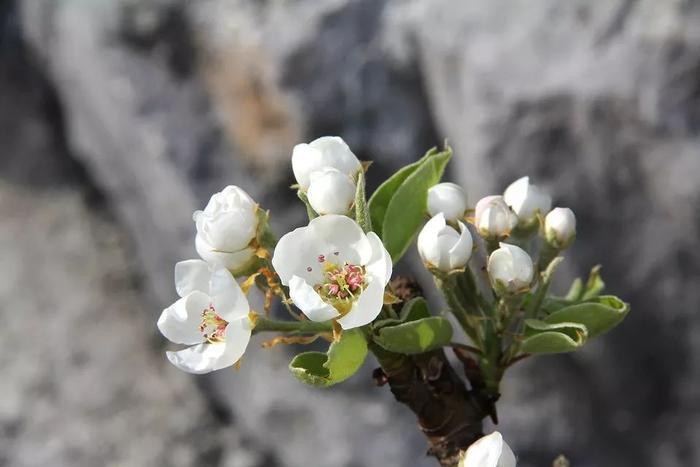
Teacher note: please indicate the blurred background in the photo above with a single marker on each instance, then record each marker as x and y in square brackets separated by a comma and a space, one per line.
[118, 118]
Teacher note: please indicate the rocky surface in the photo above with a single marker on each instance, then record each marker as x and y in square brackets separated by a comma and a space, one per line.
[166, 101]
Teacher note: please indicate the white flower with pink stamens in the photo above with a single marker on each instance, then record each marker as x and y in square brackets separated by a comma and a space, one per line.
[211, 317]
[334, 270]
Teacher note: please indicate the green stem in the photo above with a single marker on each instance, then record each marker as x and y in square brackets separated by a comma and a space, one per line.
[448, 287]
[299, 327]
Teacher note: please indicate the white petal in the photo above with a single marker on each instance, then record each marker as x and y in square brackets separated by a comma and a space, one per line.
[305, 160]
[486, 452]
[447, 198]
[310, 302]
[331, 191]
[342, 234]
[337, 154]
[179, 323]
[229, 300]
[367, 306]
[296, 253]
[230, 260]
[482, 204]
[462, 249]
[380, 264]
[231, 230]
[526, 199]
[204, 358]
[191, 275]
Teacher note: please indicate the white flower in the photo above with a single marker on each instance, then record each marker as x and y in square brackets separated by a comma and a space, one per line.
[211, 318]
[442, 247]
[489, 451]
[331, 191]
[493, 217]
[510, 269]
[226, 227]
[334, 270]
[526, 200]
[326, 151]
[449, 199]
[560, 227]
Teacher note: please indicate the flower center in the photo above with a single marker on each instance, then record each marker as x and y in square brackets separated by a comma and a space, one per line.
[341, 284]
[213, 326]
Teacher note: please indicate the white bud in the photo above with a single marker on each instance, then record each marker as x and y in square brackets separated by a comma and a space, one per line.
[326, 151]
[449, 199]
[330, 191]
[493, 217]
[442, 247]
[526, 200]
[560, 227]
[510, 269]
[489, 451]
[226, 227]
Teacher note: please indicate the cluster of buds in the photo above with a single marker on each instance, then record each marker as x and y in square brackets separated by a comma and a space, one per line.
[325, 171]
[445, 243]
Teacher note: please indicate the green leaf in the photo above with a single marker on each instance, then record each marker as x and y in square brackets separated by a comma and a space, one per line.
[415, 309]
[576, 290]
[341, 361]
[546, 338]
[599, 315]
[379, 201]
[594, 285]
[362, 215]
[416, 337]
[406, 210]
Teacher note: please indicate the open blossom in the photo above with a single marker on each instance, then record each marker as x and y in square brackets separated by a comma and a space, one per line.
[493, 217]
[331, 191]
[449, 199]
[211, 317]
[326, 151]
[226, 227]
[527, 199]
[442, 247]
[489, 451]
[510, 269]
[560, 227]
[334, 270]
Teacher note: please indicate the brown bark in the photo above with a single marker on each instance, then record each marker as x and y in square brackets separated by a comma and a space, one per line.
[448, 413]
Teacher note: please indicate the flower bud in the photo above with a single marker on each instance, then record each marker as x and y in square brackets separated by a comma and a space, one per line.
[526, 200]
[449, 199]
[442, 247]
[330, 191]
[326, 151]
[493, 217]
[510, 269]
[560, 227]
[226, 227]
[489, 451]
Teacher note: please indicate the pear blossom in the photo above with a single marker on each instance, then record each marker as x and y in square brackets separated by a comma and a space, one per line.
[326, 151]
[510, 269]
[211, 318]
[449, 199]
[441, 246]
[489, 451]
[226, 227]
[526, 200]
[493, 218]
[330, 191]
[334, 270]
[560, 227]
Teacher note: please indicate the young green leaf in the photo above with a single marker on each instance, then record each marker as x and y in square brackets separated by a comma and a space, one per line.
[379, 201]
[594, 285]
[546, 338]
[416, 337]
[599, 315]
[341, 361]
[406, 210]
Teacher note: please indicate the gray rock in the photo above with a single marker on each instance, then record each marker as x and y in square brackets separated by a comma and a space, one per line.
[166, 101]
